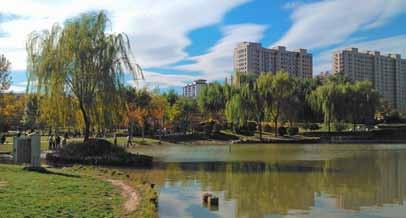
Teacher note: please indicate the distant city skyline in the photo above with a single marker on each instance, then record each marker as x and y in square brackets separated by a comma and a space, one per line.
[177, 42]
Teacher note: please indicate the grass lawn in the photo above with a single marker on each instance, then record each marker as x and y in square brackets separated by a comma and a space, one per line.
[32, 194]
[67, 192]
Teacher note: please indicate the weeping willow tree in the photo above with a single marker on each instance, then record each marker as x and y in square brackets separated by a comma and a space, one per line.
[81, 60]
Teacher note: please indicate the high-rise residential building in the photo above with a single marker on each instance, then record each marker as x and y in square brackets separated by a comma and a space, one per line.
[386, 72]
[250, 57]
[193, 89]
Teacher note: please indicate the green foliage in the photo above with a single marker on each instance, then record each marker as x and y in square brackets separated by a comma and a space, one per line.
[282, 131]
[292, 131]
[277, 90]
[92, 147]
[314, 126]
[339, 126]
[340, 100]
[171, 96]
[31, 113]
[181, 113]
[80, 59]
[211, 99]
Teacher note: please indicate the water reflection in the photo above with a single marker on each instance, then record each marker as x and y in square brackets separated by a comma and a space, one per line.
[367, 184]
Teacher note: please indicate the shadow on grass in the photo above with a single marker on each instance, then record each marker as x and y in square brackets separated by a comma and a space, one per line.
[43, 170]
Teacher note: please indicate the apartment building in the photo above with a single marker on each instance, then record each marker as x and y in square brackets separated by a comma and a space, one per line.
[193, 89]
[386, 72]
[252, 57]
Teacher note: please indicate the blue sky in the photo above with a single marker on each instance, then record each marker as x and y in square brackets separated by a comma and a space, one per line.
[181, 40]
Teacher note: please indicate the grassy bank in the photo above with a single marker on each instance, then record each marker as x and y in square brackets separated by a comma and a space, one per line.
[68, 192]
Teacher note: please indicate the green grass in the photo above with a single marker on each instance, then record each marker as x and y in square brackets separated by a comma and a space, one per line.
[32, 194]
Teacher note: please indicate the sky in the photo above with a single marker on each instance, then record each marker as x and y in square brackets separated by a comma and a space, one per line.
[178, 41]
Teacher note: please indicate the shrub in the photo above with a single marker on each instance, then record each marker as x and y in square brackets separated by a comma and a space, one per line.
[2, 138]
[92, 147]
[251, 126]
[314, 126]
[339, 126]
[306, 126]
[208, 127]
[97, 152]
[216, 128]
[292, 131]
[268, 128]
[281, 131]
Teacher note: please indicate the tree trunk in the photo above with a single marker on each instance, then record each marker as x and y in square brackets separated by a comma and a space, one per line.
[329, 121]
[353, 125]
[143, 131]
[276, 127]
[160, 130]
[87, 122]
[260, 129]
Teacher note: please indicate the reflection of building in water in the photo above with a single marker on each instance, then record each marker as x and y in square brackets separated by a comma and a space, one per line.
[384, 182]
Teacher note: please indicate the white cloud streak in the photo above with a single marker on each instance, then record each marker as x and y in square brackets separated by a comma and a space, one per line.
[218, 62]
[157, 29]
[330, 22]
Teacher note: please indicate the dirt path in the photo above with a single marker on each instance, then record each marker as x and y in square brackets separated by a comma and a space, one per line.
[129, 193]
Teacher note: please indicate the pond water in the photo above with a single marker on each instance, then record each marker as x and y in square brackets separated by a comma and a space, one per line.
[280, 180]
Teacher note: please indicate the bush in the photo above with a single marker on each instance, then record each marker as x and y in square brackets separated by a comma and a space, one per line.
[268, 128]
[251, 126]
[216, 128]
[208, 127]
[2, 138]
[314, 126]
[339, 126]
[281, 131]
[292, 131]
[306, 126]
[97, 152]
[92, 147]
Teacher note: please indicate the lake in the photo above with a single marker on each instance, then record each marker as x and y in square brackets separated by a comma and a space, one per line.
[256, 181]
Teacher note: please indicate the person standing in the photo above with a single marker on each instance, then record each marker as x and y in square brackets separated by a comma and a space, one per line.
[65, 140]
[51, 142]
[115, 139]
[57, 142]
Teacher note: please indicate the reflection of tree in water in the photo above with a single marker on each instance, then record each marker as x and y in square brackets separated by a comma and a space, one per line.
[262, 188]
[369, 180]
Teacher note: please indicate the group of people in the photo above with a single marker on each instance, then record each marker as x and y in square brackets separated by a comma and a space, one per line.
[55, 143]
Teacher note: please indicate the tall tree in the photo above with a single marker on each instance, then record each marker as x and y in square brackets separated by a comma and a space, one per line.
[83, 61]
[330, 99]
[31, 112]
[280, 90]
[254, 104]
[363, 102]
[211, 99]
[182, 112]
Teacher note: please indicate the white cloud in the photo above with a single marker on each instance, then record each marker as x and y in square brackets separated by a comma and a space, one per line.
[331, 22]
[154, 79]
[218, 62]
[157, 29]
[393, 45]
